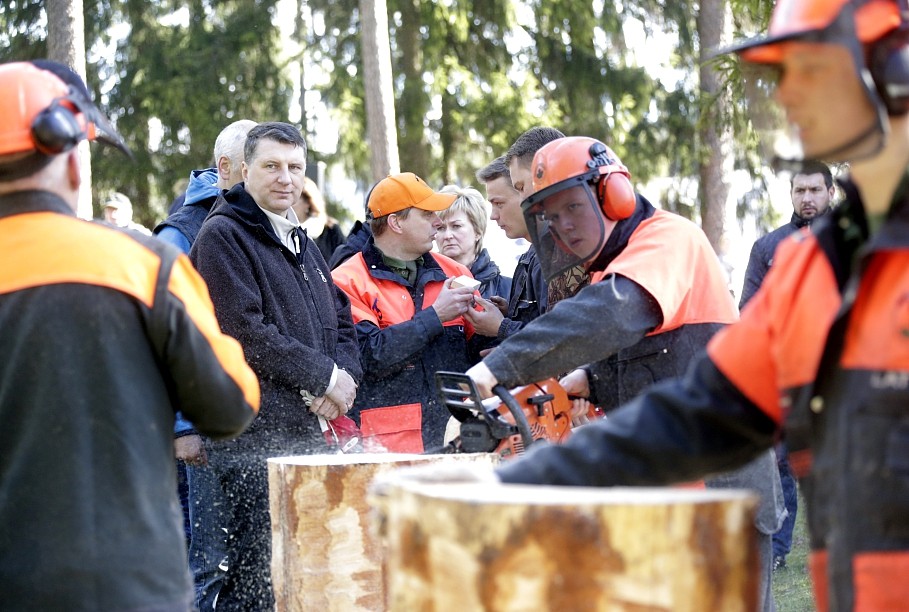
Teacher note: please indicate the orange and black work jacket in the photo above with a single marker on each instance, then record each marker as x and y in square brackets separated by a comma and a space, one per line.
[104, 334]
[657, 295]
[822, 348]
[402, 345]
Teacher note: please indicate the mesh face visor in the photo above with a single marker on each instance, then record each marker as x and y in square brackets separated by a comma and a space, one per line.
[565, 224]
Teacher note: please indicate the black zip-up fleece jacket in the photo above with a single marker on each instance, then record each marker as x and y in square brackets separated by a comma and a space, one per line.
[104, 334]
[292, 321]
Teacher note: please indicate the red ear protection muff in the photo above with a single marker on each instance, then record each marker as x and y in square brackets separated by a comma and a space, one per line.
[56, 129]
[614, 190]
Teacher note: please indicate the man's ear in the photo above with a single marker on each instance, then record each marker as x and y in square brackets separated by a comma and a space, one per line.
[224, 168]
[244, 169]
[394, 223]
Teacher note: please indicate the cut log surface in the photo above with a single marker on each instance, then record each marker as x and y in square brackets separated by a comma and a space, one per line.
[326, 555]
[503, 548]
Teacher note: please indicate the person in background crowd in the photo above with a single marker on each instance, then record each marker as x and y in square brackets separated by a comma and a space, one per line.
[106, 334]
[311, 211]
[409, 316]
[272, 291]
[461, 238]
[527, 298]
[118, 211]
[812, 194]
[204, 499]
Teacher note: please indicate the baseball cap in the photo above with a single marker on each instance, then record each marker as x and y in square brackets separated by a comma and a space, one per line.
[117, 200]
[30, 88]
[396, 192]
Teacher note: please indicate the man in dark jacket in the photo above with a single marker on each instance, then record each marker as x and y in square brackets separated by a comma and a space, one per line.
[410, 319]
[203, 497]
[272, 291]
[106, 333]
[527, 298]
[812, 193]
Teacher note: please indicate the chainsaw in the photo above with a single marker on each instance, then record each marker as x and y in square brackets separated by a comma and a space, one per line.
[509, 423]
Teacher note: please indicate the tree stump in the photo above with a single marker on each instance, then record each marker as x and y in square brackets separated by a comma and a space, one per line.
[492, 547]
[325, 555]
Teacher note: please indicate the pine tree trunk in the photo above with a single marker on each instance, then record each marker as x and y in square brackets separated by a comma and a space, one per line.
[377, 80]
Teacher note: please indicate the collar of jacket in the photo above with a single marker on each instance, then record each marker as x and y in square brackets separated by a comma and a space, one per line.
[893, 234]
[31, 201]
[239, 205]
[621, 233]
[430, 270]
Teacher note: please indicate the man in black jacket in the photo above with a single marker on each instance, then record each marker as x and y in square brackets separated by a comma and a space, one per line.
[106, 334]
[272, 291]
[812, 193]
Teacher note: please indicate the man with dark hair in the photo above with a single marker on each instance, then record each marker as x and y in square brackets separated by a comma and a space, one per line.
[518, 159]
[527, 299]
[272, 291]
[106, 334]
[812, 192]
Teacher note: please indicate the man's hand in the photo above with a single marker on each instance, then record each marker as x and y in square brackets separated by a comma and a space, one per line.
[483, 378]
[486, 319]
[501, 303]
[576, 383]
[344, 392]
[452, 301]
[324, 407]
[190, 450]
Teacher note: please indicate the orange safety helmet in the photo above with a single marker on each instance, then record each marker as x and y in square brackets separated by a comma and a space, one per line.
[582, 159]
[878, 26]
[41, 112]
[587, 177]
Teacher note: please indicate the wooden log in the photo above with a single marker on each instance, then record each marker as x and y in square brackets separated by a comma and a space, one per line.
[509, 548]
[325, 554]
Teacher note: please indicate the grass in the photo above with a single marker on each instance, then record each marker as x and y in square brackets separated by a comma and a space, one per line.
[791, 584]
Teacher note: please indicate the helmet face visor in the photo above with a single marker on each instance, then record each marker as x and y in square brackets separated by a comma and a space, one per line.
[566, 225]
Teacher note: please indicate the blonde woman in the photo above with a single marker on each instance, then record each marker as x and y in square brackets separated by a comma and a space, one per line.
[461, 238]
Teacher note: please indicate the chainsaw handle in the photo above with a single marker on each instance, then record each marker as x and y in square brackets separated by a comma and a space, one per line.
[520, 419]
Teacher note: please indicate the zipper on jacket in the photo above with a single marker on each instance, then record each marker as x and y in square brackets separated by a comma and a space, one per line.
[297, 254]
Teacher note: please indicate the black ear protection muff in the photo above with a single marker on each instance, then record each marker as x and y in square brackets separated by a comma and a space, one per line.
[614, 190]
[57, 129]
[888, 64]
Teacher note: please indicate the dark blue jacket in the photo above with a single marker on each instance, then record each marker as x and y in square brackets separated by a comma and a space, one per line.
[292, 321]
[528, 297]
[761, 257]
[492, 282]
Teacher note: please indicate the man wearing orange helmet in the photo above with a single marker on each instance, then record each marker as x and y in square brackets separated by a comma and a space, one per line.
[106, 334]
[822, 350]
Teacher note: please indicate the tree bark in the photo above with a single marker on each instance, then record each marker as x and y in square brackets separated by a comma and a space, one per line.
[458, 546]
[325, 556]
[377, 80]
[715, 133]
[66, 45]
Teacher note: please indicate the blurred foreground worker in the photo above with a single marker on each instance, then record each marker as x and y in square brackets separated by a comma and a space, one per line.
[822, 350]
[106, 334]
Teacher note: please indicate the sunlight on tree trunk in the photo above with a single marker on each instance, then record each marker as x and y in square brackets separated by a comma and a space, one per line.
[66, 44]
[713, 22]
[380, 104]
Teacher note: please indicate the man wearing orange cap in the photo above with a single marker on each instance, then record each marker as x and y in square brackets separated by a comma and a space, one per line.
[821, 353]
[408, 314]
[106, 334]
